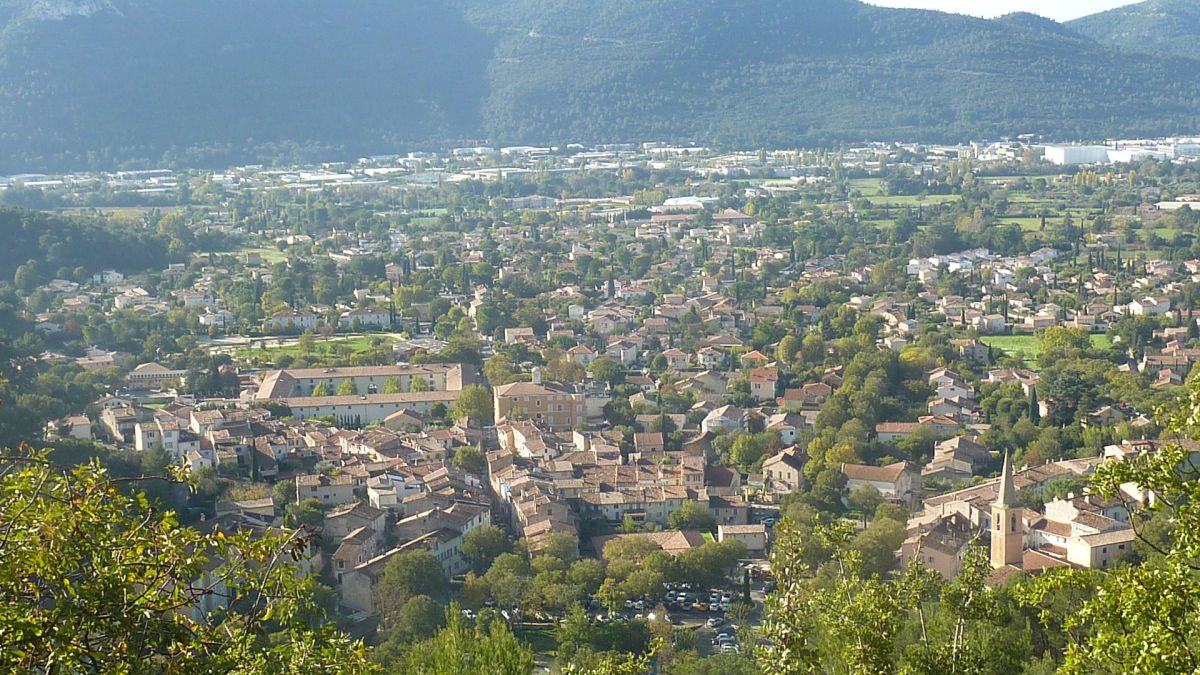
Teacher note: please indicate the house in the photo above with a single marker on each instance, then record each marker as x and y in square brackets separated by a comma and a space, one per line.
[888, 432]
[788, 425]
[754, 537]
[725, 418]
[365, 318]
[649, 442]
[77, 427]
[154, 376]
[583, 355]
[1149, 306]
[673, 541]
[290, 322]
[957, 460]
[513, 335]
[763, 384]
[677, 359]
[894, 481]
[709, 358]
[550, 405]
[329, 490]
[622, 351]
[342, 520]
[783, 472]
[755, 359]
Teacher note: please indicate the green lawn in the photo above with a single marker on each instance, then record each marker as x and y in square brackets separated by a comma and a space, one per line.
[911, 200]
[1030, 224]
[1028, 347]
[868, 187]
[334, 347]
[542, 639]
[270, 256]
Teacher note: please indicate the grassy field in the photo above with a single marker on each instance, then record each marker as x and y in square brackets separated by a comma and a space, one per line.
[542, 639]
[124, 214]
[334, 347]
[911, 200]
[1031, 224]
[1028, 347]
[270, 256]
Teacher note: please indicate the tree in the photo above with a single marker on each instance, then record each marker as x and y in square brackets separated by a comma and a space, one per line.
[482, 544]
[692, 515]
[564, 370]
[877, 546]
[322, 389]
[488, 648]
[474, 402]
[307, 343]
[392, 386]
[866, 499]
[418, 384]
[347, 388]
[1143, 618]
[787, 349]
[845, 625]
[499, 370]
[471, 460]
[116, 580]
[607, 370]
[405, 576]
[508, 578]
[418, 619]
[710, 563]
[812, 349]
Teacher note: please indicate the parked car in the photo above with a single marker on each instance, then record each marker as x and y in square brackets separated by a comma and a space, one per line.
[714, 622]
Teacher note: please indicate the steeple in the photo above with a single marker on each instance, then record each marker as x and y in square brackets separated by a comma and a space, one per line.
[1007, 496]
[1007, 538]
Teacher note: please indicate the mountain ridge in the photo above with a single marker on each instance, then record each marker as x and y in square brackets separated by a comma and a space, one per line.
[103, 83]
[1154, 27]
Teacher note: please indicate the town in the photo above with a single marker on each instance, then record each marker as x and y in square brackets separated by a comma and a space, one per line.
[598, 391]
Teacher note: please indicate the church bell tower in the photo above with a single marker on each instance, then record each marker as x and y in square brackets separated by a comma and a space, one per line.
[1007, 537]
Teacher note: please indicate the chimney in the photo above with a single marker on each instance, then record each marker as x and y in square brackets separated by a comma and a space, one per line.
[537, 375]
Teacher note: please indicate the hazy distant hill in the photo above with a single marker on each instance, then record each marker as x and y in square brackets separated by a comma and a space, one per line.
[115, 79]
[100, 82]
[1154, 27]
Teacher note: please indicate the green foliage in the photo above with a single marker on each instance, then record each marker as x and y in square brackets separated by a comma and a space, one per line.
[488, 648]
[419, 619]
[471, 460]
[692, 515]
[838, 620]
[473, 403]
[483, 544]
[1158, 27]
[118, 584]
[392, 386]
[1143, 618]
[405, 576]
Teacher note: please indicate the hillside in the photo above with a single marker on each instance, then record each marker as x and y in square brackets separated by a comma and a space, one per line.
[1153, 27]
[200, 79]
[778, 72]
[103, 83]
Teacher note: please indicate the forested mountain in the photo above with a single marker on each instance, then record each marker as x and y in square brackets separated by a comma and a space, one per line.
[1153, 27]
[107, 82]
